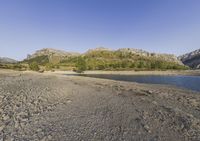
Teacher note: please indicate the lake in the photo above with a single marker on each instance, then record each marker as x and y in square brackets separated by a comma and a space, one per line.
[188, 82]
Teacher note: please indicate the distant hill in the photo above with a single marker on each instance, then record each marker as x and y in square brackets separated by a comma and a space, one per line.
[50, 52]
[164, 57]
[49, 55]
[191, 59]
[106, 59]
[6, 60]
[137, 52]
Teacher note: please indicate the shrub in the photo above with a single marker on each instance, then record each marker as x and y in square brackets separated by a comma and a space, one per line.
[49, 66]
[81, 65]
[34, 66]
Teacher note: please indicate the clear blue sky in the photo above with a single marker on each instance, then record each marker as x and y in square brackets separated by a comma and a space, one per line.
[164, 26]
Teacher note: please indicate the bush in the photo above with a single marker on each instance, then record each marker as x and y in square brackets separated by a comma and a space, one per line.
[81, 65]
[49, 67]
[34, 66]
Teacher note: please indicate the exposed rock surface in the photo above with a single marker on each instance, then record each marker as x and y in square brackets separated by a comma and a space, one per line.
[59, 55]
[50, 52]
[165, 57]
[191, 59]
[98, 49]
[47, 107]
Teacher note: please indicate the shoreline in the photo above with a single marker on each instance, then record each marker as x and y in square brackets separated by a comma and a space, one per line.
[168, 72]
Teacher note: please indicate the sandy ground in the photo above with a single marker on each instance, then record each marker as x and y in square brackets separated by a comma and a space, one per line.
[55, 107]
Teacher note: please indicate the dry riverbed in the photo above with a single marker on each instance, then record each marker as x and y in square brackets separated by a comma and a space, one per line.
[51, 106]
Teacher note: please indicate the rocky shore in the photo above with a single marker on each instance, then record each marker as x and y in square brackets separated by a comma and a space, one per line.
[51, 106]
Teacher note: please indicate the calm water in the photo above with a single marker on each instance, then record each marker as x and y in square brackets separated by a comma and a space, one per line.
[188, 82]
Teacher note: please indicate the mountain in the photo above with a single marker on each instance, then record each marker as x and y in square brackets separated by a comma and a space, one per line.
[50, 52]
[49, 55]
[191, 59]
[106, 59]
[6, 60]
[129, 58]
[139, 52]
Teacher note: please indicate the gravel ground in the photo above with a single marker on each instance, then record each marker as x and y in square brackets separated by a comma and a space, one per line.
[49, 107]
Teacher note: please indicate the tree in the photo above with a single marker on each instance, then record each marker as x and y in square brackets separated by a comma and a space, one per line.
[34, 66]
[141, 64]
[81, 64]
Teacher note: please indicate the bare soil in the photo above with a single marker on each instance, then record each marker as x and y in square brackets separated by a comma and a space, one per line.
[54, 107]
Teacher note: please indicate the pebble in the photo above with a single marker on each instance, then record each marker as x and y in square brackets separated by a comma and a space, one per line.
[69, 101]
[193, 102]
[150, 92]
[5, 117]
[147, 128]
[2, 127]
[155, 103]
[49, 137]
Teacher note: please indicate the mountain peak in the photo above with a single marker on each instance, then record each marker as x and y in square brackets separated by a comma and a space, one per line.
[50, 52]
[191, 59]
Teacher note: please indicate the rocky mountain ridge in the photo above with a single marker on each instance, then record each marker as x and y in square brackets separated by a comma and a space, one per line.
[50, 52]
[191, 59]
[53, 53]
[140, 52]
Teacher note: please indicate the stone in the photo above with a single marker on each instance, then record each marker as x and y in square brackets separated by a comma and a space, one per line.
[5, 117]
[150, 92]
[147, 128]
[2, 127]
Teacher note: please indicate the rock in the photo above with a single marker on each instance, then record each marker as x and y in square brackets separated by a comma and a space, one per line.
[154, 102]
[44, 139]
[69, 101]
[5, 117]
[2, 127]
[150, 92]
[41, 71]
[16, 124]
[49, 137]
[191, 59]
[9, 139]
[1, 97]
[147, 128]
[193, 102]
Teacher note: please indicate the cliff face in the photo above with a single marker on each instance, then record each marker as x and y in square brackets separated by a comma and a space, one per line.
[191, 59]
[50, 52]
[164, 57]
[49, 55]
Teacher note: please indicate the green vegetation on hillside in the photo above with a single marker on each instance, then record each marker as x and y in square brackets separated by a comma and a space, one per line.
[99, 60]
[40, 60]
[81, 64]
[34, 66]
[16, 66]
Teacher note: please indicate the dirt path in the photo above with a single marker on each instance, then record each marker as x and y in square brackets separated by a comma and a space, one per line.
[53, 107]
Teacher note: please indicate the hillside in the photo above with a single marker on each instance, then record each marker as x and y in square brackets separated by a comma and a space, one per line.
[105, 59]
[191, 59]
[6, 60]
[48, 55]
